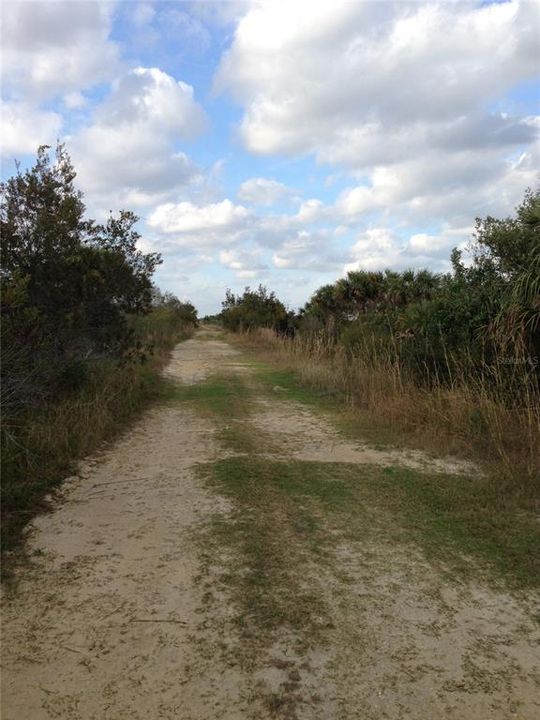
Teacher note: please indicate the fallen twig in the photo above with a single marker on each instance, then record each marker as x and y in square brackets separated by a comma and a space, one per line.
[158, 620]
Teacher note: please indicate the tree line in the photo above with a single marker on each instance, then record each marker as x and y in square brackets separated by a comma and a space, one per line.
[485, 311]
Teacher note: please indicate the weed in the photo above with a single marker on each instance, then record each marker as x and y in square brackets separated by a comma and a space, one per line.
[41, 445]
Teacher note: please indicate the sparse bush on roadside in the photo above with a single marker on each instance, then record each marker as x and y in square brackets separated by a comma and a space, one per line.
[83, 331]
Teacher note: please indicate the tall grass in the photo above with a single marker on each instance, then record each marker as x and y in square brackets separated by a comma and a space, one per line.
[486, 412]
[160, 330]
[40, 444]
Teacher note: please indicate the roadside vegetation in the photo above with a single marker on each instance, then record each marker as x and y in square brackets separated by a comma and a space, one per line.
[447, 362]
[84, 331]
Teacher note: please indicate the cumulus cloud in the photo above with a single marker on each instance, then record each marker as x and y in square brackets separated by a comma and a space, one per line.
[435, 186]
[128, 153]
[311, 211]
[308, 250]
[187, 217]
[246, 240]
[247, 264]
[397, 93]
[216, 224]
[310, 75]
[50, 48]
[381, 248]
[375, 249]
[154, 98]
[262, 191]
[25, 127]
[426, 244]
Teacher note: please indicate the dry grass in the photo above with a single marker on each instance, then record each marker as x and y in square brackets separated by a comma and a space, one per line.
[41, 444]
[481, 416]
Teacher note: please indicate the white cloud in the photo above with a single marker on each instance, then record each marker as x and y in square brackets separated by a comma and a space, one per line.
[395, 93]
[185, 217]
[311, 211]
[426, 244]
[128, 152]
[50, 48]
[379, 248]
[246, 264]
[262, 191]
[376, 249]
[308, 250]
[25, 127]
[151, 97]
[443, 187]
[313, 77]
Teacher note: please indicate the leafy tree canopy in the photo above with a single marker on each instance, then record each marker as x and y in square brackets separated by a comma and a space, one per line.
[68, 283]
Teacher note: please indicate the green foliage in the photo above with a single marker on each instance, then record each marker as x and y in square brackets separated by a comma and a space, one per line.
[365, 303]
[510, 250]
[68, 283]
[254, 309]
[185, 313]
[168, 322]
[484, 310]
[79, 315]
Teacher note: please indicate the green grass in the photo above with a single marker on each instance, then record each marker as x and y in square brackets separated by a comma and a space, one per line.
[227, 400]
[455, 520]
[220, 396]
[272, 538]
[463, 523]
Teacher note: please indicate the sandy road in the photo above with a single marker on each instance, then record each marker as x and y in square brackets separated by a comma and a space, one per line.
[108, 622]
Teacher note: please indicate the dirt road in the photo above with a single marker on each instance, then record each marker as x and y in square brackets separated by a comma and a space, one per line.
[137, 602]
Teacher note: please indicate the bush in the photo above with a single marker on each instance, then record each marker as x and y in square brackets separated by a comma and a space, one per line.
[254, 309]
[80, 320]
[68, 283]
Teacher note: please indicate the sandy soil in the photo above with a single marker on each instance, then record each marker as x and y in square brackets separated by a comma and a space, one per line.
[304, 436]
[109, 620]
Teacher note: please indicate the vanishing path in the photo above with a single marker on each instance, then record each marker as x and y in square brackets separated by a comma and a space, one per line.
[141, 599]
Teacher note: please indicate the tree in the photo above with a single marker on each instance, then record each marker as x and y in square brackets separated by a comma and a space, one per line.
[509, 249]
[68, 283]
[184, 312]
[254, 309]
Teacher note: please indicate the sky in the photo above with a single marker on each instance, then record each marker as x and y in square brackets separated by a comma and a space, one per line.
[281, 142]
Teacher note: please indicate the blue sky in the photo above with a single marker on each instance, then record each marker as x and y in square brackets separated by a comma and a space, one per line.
[281, 142]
